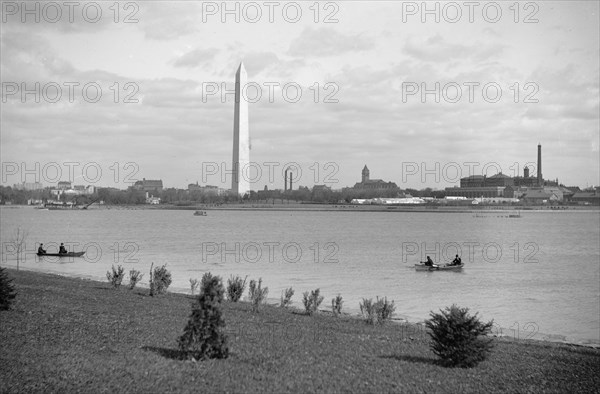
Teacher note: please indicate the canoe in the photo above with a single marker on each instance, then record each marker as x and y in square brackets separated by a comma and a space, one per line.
[68, 254]
[423, 267]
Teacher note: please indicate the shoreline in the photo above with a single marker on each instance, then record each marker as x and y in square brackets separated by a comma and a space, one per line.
[73, 335]
[299, 207]
[349, 312]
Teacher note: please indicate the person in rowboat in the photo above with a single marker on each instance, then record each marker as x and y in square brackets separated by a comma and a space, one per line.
[457, 261]
[62, 249]
[429, 262]
[41, 249]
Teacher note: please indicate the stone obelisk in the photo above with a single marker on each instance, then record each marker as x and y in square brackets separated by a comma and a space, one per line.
[240, 183]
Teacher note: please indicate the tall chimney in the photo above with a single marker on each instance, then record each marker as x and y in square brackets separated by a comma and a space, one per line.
[539, 165]
[285, 181]
[291, 181]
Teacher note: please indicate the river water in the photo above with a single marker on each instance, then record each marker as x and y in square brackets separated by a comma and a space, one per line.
[537, 276]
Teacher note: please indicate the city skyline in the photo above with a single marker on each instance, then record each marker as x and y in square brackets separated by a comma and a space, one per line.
[368, 79]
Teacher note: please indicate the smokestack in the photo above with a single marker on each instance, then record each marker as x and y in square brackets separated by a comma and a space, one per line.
[539, 165]
[285, 181]
[291, 181]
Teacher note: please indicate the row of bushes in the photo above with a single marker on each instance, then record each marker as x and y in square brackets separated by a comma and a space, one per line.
[160, 278]
[459, 339]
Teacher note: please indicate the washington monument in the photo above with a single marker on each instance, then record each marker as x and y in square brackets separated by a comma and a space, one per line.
[240, 183]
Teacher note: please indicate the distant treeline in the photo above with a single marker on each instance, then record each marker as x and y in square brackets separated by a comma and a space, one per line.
[130, 196]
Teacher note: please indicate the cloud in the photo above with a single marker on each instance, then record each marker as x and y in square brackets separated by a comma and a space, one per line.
[437, 49]
[326, 41]
[197, 57]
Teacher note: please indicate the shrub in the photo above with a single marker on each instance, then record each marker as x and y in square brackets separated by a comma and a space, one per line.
[204, 335]
[235, 288]
[257, 294]
[160, 280]
[377, 312]
[134, 277]
[336, 305]
[286, 297]
[312, 301]
[194, 285]
[458, 338]
[7, 290]
[206, 278]
[367, 309]
[116, 276]
[384, 310]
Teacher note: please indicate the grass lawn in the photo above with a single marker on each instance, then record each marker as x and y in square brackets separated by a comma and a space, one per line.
[65, 335]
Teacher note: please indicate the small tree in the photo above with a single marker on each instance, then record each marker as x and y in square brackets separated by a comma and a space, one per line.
[336, 305]
[286, 297]
[116, 276]
[194, 285]
[204, 335]
[458, 338]
[312, 301]
[206, 278]
[134, 277]
[160, 280]
[7, 290]
[257, 294]
[18, 240]
[235, 288]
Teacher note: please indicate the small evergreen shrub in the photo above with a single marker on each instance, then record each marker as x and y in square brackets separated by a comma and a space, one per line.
[160, 280]
[312, 301]
[7, 290]
[116, 276]
[378, 312]
[257, 294]
[458, 338]
[134, 277]
[204, 335]
[336, 305]
[235, 288]
[206, 278]
[194, 285]
[286, 297]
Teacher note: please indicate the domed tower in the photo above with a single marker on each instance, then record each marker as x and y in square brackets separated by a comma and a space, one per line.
[365, 174]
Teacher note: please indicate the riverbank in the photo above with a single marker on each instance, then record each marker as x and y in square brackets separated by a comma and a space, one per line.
[67, 334]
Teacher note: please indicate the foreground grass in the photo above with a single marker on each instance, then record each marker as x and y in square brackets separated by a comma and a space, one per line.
[76, 335]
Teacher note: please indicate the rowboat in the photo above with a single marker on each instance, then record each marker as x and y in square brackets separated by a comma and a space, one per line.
[68, 254]
[200, 213]
[435, 267]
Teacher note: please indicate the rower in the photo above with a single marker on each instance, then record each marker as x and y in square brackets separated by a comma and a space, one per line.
[41, 249]
[62, 249]
[457, 261]
[429, 262]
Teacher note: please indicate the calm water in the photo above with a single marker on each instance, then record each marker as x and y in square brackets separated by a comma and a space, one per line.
[538, 274]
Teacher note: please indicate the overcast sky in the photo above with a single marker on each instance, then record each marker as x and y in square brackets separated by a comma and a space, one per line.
[361, 77]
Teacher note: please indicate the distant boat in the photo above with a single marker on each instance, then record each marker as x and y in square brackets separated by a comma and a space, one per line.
[200, 213]
[423, 267]
[68, 254]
